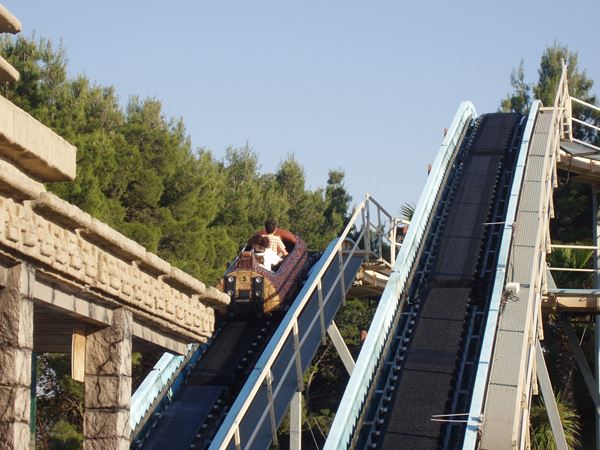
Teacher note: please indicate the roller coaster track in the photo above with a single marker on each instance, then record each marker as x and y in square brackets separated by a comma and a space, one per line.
[236, 388]
[450, 360]
[447, 298]
[452, 356]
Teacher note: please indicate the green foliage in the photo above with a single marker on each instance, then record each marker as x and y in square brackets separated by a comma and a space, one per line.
[137, 171]
[520, 99]
[59, 401]
[549, 76]
[573, 211]
[542, 437]
[337, 201]
[64, 436]
[573, 258]
[353, 318]
[550, 71]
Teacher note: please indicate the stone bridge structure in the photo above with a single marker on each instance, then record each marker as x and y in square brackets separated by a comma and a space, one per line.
[71, 284]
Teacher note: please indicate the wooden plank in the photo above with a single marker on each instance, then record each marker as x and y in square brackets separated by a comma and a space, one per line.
[78, 354]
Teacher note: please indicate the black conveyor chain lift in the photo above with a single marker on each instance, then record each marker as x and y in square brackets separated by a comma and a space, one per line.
[426, 374]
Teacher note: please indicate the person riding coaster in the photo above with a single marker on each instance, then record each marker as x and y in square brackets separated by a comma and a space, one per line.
[267, 258]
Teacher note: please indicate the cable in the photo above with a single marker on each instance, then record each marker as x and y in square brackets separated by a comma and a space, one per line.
[312, 434]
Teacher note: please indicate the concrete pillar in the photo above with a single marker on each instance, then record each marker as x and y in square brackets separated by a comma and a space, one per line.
[108, 385]
[16, 344]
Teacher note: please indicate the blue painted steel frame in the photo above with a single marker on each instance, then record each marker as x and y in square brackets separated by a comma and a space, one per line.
[357, 389]
[161, 376]
[489, 333]
[255, 429]
[154, 383]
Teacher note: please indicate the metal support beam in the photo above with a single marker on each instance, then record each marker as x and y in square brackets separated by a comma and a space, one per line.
[340, 346]
[269, 382]
[321, 312]
[299, 373]
[367, 230]
[236, 439]
[379, 235]
[586, 373]
[296, 422]
[342, 279]
[549, 400]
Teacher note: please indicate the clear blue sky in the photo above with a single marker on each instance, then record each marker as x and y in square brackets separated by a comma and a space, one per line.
[363, 86]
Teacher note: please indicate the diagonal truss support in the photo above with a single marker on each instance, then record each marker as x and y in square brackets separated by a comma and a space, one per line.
[586, 373]
[340, 346]
[549, 400]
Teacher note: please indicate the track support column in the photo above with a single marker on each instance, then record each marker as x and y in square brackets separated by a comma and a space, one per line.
[296, 422]
[16, 345]
[108, 385]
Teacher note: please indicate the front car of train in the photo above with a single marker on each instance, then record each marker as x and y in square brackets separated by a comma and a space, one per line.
[256, 290]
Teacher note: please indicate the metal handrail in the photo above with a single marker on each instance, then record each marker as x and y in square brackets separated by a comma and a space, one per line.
[585, 124]
[571, 269]
[230, 429]
[589, 105]
[566, 105]
[583, 247]
[357, 389]
[380, 228]
[587, 144]
[565, 101]
[563, 110]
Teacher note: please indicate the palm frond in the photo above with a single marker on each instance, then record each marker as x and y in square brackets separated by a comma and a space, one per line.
[542, 437]
[407, 210]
